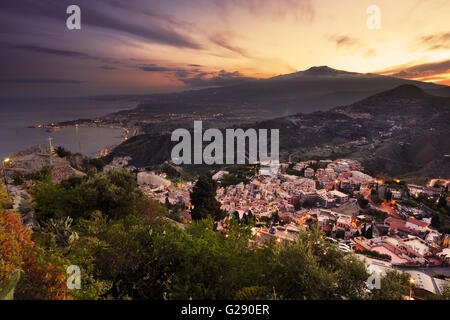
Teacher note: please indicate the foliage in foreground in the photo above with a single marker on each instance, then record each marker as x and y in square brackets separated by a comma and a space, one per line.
[127, 249]
[43, 273]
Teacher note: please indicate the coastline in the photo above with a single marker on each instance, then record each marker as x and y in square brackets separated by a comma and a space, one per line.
[85, 123]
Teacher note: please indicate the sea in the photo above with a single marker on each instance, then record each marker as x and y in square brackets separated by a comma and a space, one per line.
[18, 114]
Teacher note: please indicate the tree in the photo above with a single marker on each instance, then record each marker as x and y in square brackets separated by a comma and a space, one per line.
[203, 198]
[308, 203]
[311, 268]
[115, 193]
[363, 202]
[369, 232]
[236, 216]
[250, 218]
[297, 205]
[5, 202]
[254, 293]
[62, 152]
[18, 178]
[275, 217]
[387, 194]
[340, 234]
[436, 221]
[195, 261]
[393, 286]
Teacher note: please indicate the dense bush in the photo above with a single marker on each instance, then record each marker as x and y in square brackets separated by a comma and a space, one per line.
[44, 273]
[115, 193]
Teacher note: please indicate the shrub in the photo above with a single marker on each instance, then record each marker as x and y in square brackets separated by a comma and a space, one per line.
[44, 276]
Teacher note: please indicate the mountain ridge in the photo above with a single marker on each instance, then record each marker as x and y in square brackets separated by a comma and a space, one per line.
[402, 134]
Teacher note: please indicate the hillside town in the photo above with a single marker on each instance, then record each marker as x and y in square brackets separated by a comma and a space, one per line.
[389, 224]
[359, 213]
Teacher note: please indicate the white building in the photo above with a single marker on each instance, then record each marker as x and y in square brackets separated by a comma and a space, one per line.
[309, 172]
[151, 179]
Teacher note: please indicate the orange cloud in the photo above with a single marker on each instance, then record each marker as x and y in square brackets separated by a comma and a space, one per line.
[438, 72]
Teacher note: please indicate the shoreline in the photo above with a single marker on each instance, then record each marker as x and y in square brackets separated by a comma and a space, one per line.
[125, 135]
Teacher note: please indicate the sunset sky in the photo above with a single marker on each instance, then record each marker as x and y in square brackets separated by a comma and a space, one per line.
[144, 46]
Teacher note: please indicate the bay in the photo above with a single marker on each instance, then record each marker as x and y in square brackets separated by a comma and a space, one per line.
[17, 114]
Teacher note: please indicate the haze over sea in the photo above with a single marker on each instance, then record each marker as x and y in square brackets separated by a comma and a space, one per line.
[17, 114]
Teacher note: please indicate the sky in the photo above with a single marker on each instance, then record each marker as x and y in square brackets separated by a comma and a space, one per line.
[147, 46]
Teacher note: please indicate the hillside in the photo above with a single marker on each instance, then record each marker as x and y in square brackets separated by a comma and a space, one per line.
[403, 132]
[315, 89]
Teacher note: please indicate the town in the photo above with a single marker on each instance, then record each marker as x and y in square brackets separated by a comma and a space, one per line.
[389, 224]
[378, 220]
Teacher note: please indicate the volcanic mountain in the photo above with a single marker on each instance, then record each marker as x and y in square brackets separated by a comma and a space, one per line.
[317, 88]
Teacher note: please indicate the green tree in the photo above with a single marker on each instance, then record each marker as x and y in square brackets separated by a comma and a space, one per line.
[55, 201]
[363, 202]
[206, 264]
[115, 193]
[436, 221]
[369, 232]
[203, 198]
[311, 268]
[275, 217]
[62, 152]
[388, 194]
[393, 286]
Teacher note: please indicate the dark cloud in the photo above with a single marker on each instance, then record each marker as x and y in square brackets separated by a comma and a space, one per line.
[141, 7]
[156, 68]
[218, 79]
[42, 81]
[36, 49]
[177, 71]
[69, 54]
[108, 68]
[418, 71]
[107, 15]
[193, 77]
[183, 73]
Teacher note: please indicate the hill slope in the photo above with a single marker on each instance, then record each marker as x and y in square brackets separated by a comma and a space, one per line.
[403, 132]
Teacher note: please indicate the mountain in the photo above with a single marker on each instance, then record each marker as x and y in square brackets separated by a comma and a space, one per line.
[402, 131]
[317, 88]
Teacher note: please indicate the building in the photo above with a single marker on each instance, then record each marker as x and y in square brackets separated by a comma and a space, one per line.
[309, 172]
[219, 175]
[339, 196]
[151, 179]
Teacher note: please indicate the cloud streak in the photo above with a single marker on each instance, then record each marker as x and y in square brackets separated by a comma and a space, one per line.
[343, 41]
[109, 16]
[280, 9]
[217, 79]
[439, 41]
[57, 52]
[42, 81]
[422, 72]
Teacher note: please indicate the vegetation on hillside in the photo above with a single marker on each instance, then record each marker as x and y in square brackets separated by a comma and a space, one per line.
[127, 250]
